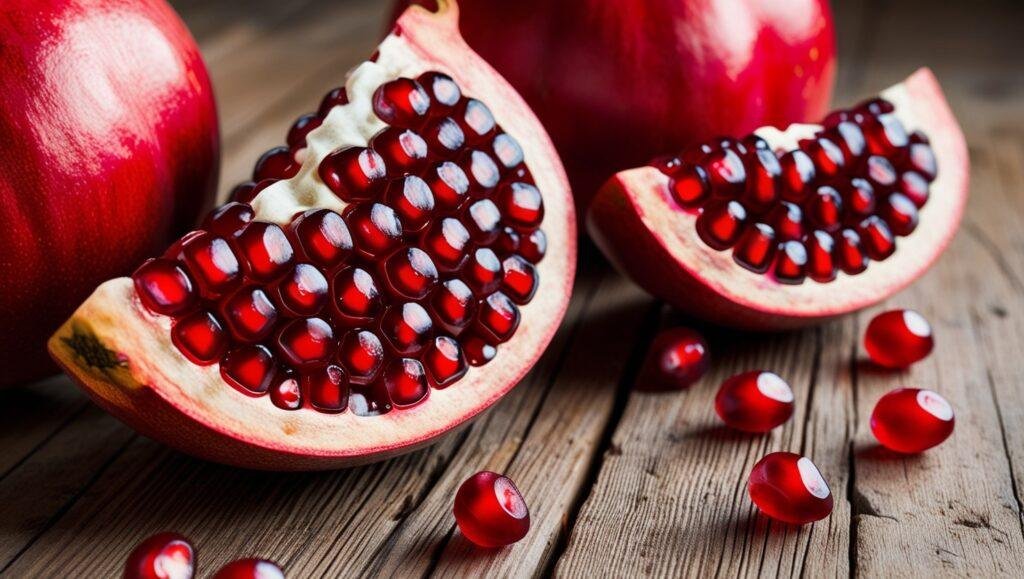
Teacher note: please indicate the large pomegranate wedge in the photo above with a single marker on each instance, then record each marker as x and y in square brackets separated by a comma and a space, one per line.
[785, 228]
[393, 272]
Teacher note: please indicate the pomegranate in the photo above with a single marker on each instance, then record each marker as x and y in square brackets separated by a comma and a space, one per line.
[785, 228]
[617, 81]
[898, 338]
[912, 420]
[162, 556]
[490, 510]
[417, 227]
[110, 149]
[677, 358]
[789, 488]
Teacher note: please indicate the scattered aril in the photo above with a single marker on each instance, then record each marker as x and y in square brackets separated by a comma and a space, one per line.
[755, 401]
[162, 556]
[250, 569]
[677, 358]
[912, 420]
[898, 338]
[789, 488]
[490, 510]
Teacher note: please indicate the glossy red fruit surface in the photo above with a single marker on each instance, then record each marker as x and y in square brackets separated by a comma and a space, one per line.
[912, 420]
[250, 569]
[789, 488]
[755, 401]
[677, 358]
[69, 104]
[490, 510]
[162, 556]
[898, 338]
[617, 83]
[830, 232]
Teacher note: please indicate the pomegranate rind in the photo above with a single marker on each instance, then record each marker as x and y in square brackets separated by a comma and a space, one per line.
[639, 227]
[123, 357]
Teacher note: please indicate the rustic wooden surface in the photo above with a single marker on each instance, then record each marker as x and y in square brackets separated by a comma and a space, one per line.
[618, 483]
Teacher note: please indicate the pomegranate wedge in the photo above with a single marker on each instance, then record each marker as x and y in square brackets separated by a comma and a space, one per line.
[780, 229]
[386, 276]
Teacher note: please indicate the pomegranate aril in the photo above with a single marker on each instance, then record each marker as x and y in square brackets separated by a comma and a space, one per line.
[788, 221]
[726, 173]
[327, 388]
[355, 296]
[375, 228]
[876, 238]
[306, 342]
[449, 185]
[721, 223]
[789, 488]
[353, 173]
[763, 171]
[478, 351]
[922, 160]
[490, 510]
[507, 242]
[453, 304]
[444, 137]
[507, 151]
[446, 241]
[497, 317]
[790, 262]
[483, 271]
[821, 262]
[407, 328]
[162, 556]
[406, 382]
[277, 163]
[483, 219]
[827, 156]
[369, 399]
[211, 262]
[915, 187]
[858, 200]
[444, 361]
[755, 248]
[246, 192]
[303, 292]
[521, 205]
[248, 368]
[250, 569]
[265, 251]
[173, 252]
[249, 313]
[334, 98]
[689, 186]
[797, 175]
[912, 420]
[303, 126]
[482, 171]
[851, 140]
[898, 338]
[533, 246]
[849, 252]
[900, 213]
[885, 134]
[200, 337]
[476, 120]
[755, 401]
[323, 237]
[164, 287]
[412, 201]
[286, 394]
[824, 208]
[677, 358]
[403, 150]
[880, 172]
[519, 280]
[402, 102]
[410, 273]
[361, 354]
[228, 219]
[443, 91]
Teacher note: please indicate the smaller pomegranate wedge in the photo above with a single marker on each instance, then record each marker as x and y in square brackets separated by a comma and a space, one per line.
[339, 309]
[780, 229]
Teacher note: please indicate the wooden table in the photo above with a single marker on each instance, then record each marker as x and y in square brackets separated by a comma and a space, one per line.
[618, 483]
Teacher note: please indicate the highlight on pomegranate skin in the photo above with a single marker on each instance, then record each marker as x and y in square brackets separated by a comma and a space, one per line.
[898, 338]
[912, 420]
[677, 358]
[490, 510]
[755, 401]
[162, 556]
[789, 488]
[250, 569]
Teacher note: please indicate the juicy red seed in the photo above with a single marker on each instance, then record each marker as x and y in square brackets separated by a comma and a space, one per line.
[446, 241]
[898, 338]
[533, 246]
[521, 205]
[303, 126]
[689, 186]
[410, 273]
[200, 337]
[164, 555]
[483, 219]
[444, 361]
[249, 368]
[327, 388]
[478, 351]
[444, 137]
[481, 170]
[881, 172]
[721, 223]
[788, 221]
[370, 399]
[922, 159]
[334, 98]
[303, 292]
[407, 328]
[726, 173]
[885, 134]
[476, 120]
[490, 510]
[361, 353]
[507, 242]
[849, 252]
[265, 251]
[211, 262]
[406, 382]
[667, 164]
[763, 170]
[915, 187]
[850, 139]
[164, 287]
[677, 358]
[286, 394]
[789, 488]
[835, 117]
[323, 237]
[277, 163]
[402, 102]
[449, 184]
[453, 304]
[912, 420]
[498, 318]
[876, 238]
[507, 151]
[826, 155]
[756, 248]
[403, 150]
[821, 263]
[249, 313]
[246, 192]
[306, 342]
[355, 295]
[250, 569]
[755, 401]
[375, 228]
[353, 173]
[442, 89]
[173, 252]
[900, 213]
[791, 262]
[228, 219]
[483, 271]
[519, 280]
[825, 208]
[797, 175]
[412, 201]
[858, 199]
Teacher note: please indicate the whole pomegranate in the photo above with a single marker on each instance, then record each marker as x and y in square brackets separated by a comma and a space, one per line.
[110, 147]
[616, 82]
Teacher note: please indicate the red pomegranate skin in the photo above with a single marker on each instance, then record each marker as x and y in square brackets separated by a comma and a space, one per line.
[618, 82]
[110, 148]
